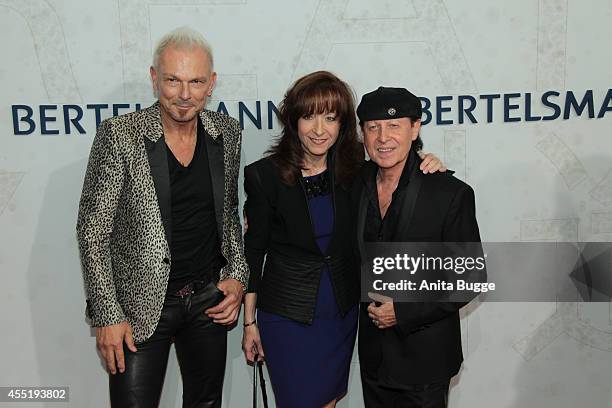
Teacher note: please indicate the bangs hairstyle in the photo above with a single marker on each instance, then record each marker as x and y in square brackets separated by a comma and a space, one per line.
[317, 93]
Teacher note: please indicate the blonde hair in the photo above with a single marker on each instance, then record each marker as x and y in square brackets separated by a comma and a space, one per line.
[182, 37]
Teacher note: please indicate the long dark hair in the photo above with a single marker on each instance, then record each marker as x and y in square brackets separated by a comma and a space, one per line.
[317, 93]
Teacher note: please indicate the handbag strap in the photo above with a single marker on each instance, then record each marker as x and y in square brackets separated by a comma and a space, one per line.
[258, 366]
[262, 383]
[255, 383]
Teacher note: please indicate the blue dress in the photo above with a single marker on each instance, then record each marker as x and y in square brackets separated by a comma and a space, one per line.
[309, 364]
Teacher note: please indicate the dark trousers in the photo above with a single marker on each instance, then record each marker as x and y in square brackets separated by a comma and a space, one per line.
[201, 347]
[416, 396]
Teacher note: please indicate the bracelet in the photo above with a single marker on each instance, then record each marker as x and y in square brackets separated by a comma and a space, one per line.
[254, 322]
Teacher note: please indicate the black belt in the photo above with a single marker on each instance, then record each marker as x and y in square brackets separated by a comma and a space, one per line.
[191, 288]
[197, 285]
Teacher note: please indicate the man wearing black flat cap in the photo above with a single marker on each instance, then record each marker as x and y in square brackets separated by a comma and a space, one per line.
[408, 351]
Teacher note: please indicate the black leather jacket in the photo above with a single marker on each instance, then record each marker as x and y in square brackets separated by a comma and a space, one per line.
[279, 229]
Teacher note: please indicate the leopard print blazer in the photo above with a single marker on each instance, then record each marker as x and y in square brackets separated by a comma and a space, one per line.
[124, 252]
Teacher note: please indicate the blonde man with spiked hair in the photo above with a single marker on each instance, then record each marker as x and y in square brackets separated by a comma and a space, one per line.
[159, 233]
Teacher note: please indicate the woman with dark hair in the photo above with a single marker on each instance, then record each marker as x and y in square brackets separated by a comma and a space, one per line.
[298, 219]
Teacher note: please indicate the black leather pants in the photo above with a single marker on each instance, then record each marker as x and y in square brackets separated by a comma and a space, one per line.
[201, 348]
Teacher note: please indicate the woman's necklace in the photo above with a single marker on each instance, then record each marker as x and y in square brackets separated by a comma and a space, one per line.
[313, 171]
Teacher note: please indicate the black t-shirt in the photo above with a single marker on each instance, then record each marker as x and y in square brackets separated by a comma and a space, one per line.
[195, 249]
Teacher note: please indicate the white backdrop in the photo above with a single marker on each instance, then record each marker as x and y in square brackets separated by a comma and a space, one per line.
[534, 180]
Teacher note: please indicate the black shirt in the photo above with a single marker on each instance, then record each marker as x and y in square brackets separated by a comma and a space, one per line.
[378, 229]
[195, 249]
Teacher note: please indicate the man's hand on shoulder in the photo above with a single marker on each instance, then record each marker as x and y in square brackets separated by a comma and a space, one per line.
[227, 311]
[109, 340]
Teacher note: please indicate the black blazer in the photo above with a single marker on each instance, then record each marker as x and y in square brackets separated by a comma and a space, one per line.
[425, 345]
[279, 228]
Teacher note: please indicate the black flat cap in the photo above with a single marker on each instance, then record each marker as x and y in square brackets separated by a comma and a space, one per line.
[389, 103]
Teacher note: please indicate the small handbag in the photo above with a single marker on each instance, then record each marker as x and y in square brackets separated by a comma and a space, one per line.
[258, 366]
